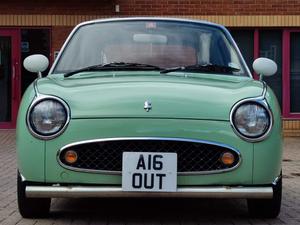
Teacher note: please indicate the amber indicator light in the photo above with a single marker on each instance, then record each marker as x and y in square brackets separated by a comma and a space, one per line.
[71, 156]
[227, 158]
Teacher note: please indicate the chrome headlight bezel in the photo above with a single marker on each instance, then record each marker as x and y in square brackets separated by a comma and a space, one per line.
[258, 101]
[36, 101]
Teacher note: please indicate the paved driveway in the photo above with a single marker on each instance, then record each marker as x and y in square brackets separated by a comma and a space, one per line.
[147, 211]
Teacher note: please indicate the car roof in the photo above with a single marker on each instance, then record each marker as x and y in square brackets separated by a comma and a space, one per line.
[203, 22]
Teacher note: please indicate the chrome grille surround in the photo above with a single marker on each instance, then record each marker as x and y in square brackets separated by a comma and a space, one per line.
[148, 139]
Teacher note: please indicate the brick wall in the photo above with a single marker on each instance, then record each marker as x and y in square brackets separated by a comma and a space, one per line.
[59, 7]
[152, 7]
[291, 128]
[209, 7]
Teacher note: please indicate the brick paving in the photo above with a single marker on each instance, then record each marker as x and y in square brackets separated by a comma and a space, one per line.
[147, 211]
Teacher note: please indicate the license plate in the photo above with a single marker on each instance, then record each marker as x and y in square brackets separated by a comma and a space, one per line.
[149, 172]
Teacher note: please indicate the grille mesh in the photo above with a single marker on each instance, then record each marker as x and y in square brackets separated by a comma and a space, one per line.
[107, 155]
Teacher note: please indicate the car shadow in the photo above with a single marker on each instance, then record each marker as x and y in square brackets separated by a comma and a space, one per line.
[153, 211]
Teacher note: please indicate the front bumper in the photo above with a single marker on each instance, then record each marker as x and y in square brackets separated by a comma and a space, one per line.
[185, 192]
[253, 170]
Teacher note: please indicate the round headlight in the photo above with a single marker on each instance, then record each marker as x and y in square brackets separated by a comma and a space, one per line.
[251, 120]
[48, 117]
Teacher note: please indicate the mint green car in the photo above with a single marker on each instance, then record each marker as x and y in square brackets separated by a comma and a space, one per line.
[149, 107]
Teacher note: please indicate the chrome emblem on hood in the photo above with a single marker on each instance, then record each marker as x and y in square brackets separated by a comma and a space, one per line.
[147, 106]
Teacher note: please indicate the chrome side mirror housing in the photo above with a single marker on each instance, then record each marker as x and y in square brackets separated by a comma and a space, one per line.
[264, 67]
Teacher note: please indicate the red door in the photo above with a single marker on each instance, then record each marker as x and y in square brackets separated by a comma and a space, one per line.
[9, 77]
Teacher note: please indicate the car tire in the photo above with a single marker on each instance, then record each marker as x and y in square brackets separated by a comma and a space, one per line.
[267, 208]
[31, 207]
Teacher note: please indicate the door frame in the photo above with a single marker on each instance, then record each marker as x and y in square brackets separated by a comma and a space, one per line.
[16, 73]
[286, 55]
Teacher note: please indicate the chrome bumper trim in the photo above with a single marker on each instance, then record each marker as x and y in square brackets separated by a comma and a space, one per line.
[108, 192]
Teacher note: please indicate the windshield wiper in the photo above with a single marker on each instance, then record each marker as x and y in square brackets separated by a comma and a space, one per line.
[209, 68]
[114, 66]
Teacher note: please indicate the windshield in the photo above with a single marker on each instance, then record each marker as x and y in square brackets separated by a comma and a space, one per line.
[164, 44]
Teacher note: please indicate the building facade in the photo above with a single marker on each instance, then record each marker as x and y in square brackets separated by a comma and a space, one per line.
[260, 27]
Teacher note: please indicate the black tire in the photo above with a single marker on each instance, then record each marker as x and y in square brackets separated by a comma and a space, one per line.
[31, 207]
[267, 208]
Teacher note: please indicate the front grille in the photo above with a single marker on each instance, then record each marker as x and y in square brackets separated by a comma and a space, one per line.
[106, 155]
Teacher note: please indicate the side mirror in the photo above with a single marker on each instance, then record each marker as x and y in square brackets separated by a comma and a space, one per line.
[264, 67]
[36, 64]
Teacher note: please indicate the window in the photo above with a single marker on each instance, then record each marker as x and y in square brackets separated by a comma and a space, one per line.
[295, 72]
[5, 79]
[165, 44]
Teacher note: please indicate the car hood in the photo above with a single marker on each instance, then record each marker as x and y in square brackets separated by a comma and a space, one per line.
[208, 97]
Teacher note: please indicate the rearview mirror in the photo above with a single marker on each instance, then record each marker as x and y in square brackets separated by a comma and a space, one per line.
[36, 63]
[150, 38]
[264, 67]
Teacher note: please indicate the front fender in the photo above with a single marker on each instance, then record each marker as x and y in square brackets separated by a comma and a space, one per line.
[30, 150]
[268, 153]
